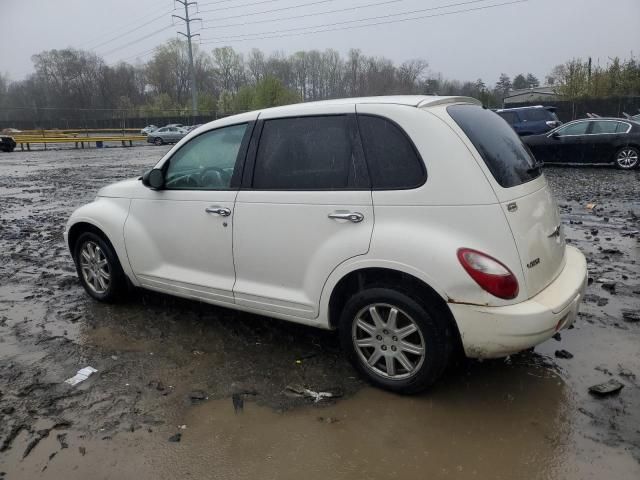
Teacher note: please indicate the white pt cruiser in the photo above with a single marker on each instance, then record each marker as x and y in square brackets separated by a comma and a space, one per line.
[415, 225]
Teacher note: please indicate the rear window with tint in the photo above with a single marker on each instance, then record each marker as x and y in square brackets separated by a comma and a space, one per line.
[507, 158]
[307, 153]
[392, 159]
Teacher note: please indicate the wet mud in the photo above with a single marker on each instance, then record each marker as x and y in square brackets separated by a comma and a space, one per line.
[188, 390]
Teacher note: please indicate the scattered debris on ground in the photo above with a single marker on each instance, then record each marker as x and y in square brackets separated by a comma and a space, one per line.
[607, 388]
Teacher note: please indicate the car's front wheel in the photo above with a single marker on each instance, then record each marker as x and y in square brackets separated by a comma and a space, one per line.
[395, 341]
[98, 268]
[627, 158]
[158, 141]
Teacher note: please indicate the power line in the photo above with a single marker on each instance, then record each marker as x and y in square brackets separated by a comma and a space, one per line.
[125, 25]
[238, 6]
[128, 44]
[271, 20]
[290, 7]
[155, 19]
[275, 33]
[220, 1]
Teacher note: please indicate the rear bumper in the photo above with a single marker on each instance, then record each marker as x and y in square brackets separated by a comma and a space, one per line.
[489, 332]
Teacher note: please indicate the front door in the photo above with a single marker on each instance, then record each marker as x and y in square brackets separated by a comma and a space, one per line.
[569, 146]
[306, 208]
[179, 238]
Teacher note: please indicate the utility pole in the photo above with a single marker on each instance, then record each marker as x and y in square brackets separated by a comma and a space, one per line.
[189, 36]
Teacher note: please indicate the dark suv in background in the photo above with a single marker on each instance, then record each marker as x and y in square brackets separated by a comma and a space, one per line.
[7, 143]
[530, 120]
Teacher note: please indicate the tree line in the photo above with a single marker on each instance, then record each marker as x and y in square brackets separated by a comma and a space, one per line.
[74, 83]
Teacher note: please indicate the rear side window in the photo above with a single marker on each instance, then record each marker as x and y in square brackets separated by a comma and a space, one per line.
[510, 117]
[508, 160]
[604, 127]
[392, 159]
[622, 127]
[307, 153]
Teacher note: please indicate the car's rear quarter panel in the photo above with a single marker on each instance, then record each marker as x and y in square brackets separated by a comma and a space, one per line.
[423, 228]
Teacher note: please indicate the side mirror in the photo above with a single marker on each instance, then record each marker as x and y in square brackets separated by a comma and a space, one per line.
[153, 179]
[555, 135]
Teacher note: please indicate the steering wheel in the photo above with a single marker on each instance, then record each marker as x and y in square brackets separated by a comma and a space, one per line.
[213, 177]
[184, 181]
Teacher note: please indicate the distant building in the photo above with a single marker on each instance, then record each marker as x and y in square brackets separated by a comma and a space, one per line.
[532, 95]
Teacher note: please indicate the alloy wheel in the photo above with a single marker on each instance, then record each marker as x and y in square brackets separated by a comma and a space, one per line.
[95, 267]
[627, 158]
[388, 341]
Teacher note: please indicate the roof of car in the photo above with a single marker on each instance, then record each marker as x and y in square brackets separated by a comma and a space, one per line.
[408, 100]
[498, 110]
[616, 119]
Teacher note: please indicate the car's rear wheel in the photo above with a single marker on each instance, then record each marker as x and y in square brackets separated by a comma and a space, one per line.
[627, 158]
[396, 342]
[98, 268]
[158, 141]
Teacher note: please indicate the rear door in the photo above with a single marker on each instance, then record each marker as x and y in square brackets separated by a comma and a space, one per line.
[603, 140]
[523, 193]
[305, 207]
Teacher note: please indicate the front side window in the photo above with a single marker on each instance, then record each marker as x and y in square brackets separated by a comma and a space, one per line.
[307, 153]
[578, 128]
[393, 161]
[506, 157]
[206, 162]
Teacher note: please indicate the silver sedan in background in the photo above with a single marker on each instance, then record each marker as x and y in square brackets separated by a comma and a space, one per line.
[166, 135]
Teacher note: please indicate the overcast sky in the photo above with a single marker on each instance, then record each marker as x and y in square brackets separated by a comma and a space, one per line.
[531, 35]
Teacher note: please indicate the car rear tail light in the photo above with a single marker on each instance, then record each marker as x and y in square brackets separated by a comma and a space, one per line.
[492, 275]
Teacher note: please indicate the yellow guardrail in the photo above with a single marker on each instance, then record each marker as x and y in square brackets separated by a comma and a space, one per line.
[75, 130]
[27, 141]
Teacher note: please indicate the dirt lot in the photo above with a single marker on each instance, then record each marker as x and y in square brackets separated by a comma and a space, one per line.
[218, 378]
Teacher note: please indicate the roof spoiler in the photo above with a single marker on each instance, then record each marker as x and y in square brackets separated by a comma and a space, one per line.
[445, 100]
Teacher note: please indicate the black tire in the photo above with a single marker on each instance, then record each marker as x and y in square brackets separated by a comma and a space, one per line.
[117, 286]
[158, 141]
[434, 333]
[627, 158]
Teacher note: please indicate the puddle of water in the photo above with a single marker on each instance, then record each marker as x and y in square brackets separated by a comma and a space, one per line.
[476, 430]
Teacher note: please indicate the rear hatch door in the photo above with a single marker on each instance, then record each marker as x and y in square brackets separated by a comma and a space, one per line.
[522, 191]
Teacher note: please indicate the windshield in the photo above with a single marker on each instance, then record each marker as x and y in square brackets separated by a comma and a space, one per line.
[508, 159]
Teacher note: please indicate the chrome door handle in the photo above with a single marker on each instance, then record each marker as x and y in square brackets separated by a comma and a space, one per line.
[223, 212]
[355, 217]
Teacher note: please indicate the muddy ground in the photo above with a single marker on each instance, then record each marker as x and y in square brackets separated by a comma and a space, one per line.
[214, 379]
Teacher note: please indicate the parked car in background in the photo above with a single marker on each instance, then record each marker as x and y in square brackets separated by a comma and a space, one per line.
[148, 129]
[592, 140]
[530, 120]
[272, 212]
[7, 143]
[635, 118]
[166, 135]
[174, 125]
